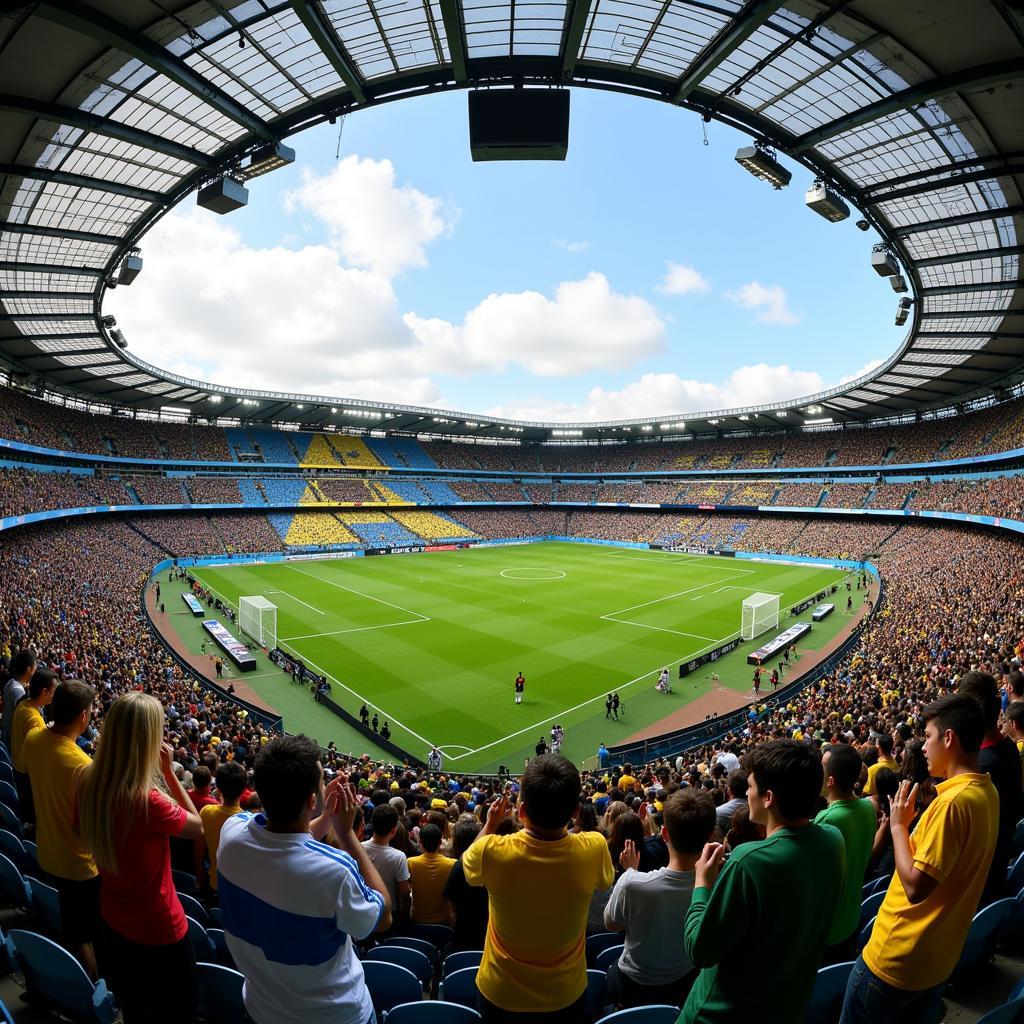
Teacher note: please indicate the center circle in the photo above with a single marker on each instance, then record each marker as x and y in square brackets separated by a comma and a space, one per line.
[535, 575]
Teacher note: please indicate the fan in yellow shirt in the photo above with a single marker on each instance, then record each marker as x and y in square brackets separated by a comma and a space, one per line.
[231, 780]
[28, 716]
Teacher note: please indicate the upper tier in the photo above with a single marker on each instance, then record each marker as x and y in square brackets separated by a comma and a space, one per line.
[27, 420]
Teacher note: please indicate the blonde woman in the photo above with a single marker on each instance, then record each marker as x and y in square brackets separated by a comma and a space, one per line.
[126, 818]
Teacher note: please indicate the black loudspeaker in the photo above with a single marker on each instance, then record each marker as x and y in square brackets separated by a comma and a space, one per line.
[519, 124]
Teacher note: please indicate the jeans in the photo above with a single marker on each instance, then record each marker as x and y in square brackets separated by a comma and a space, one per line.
[574, 1013]
[869, 1000]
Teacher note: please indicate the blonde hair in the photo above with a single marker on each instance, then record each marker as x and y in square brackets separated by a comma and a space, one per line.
[127, 766]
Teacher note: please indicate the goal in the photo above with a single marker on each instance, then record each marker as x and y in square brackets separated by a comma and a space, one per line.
[760, 613]
[258, 618]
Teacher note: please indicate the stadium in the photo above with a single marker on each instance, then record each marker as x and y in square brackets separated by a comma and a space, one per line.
[677, 631]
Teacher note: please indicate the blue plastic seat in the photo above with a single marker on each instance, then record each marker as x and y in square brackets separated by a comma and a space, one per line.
[216, 917]
[55, 980]
[9, 796]
[5, 1015]
[440, 935]
[880, 884]
[431, 1011]
[389, 985]
[33, 851]
[185, 882]
[869, 908]
[14, 890]
[411, 959]
[656, 1014]
[10, 821]
[6, 772]
[596, 1001]
[1010, 1012]
[983, 934]
[205, 950]
[45, 904]
[463, 958]
[428, 949]
[1015, 876]
[5, 754]
[827, 994]
[1017, 993]
[11, 846]
[609, 956]
[865, 934]
[219, 939]
[460, 987]
[193, 908]
[597, 944]
[1017, 847]
[220, 995]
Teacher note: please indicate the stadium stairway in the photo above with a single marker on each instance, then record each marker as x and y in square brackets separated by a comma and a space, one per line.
[320, 453]
[252, 491]
[352, 451]
[274, 447]
[411, 453]
[283, 492]
[377, 528]
[433, 525]
[402, 490]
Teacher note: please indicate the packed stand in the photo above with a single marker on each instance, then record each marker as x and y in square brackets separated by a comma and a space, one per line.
[213, 490]
[157, 490]
[181, 536]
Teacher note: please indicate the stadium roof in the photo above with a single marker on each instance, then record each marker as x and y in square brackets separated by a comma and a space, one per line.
[113, 111]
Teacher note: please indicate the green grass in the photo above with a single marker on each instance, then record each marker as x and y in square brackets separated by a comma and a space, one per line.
[434, 641]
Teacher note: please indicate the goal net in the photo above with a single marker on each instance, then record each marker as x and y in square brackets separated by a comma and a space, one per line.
[760, 612]
[257, 617]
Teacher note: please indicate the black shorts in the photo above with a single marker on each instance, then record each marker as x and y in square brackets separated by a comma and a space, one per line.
[79, 908]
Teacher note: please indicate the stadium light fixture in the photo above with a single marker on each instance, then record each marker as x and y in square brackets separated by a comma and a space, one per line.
[264, 160]
[813, 410]
[131, 267]
[175, 409]
[898, 282]
[825, 201]
[823, 419]
[883, 262]
[225, 195]
[782, 413]
[334, 408]
[118, 338]
[216, 398]
[760, 161]
[647, 426]
[902, 314]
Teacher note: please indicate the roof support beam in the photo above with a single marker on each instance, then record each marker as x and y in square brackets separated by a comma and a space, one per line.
[950, 169]
[44, 232]
[960, 289]
[743, 25]
[572, 37]
[323, 34]
[973, 254]
[99, 353]
[934, 186]
[81, 296]
[36, 317]
[970, 78]
[996, 213]
[145, 195]
[51, 268]
[455, 33]
[109, 31]
[104, 126]
[957, 314]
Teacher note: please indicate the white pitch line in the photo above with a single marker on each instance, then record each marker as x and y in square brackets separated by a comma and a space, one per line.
[667, 597]
[294, 598]
[367, 597]
[356, 629]
[661, 629]
[700, 596]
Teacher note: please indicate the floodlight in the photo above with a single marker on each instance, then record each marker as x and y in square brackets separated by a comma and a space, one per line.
[898, 282]
[266, 159]
[883, 262]
[131, 267]
[906, 303]
[118, 338]
[225, 195]
[108, 321]
[901, 316]
[827, 202]
[760, 160]
[863, 225]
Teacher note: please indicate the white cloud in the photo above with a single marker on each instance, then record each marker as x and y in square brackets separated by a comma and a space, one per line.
[769, 299]
[573, 247]
[872, 364]
[682, 279]
[375, 224]
[668, 394]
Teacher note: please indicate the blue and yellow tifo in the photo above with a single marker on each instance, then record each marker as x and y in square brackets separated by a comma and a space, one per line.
[433, 642]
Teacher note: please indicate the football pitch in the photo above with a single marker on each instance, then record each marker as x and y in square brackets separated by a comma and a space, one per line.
[433, 642]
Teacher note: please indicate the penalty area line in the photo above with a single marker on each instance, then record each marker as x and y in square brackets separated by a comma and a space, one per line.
[354, 629]
[267, 593]
[365, 597]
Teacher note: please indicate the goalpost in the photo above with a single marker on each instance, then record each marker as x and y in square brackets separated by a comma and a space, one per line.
[760, 613]
[258, 618]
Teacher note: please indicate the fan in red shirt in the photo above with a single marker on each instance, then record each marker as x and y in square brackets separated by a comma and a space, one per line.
[126, 821]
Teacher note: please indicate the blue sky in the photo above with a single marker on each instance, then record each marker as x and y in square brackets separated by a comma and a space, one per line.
[404, 271]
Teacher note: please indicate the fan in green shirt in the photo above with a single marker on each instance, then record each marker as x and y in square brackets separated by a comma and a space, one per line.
[759, 931]
[855, 819]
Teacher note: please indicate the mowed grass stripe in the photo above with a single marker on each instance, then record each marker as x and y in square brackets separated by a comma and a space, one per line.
[449, 679]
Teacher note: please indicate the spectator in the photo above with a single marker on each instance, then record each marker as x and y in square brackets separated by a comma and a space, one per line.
[23, 666]
[1001, 760]
[468, 903]
[125, 821]
[855, 819]
[292, 905]
[1013, 725]
[231, 781]
[54, 760]
[754, 906]
[885, 760]
[28, 717]
[392, 865]
[428, 873]
[539, 882]
[940, 873]
[654, 966]
[737, 799]
[200, 794]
